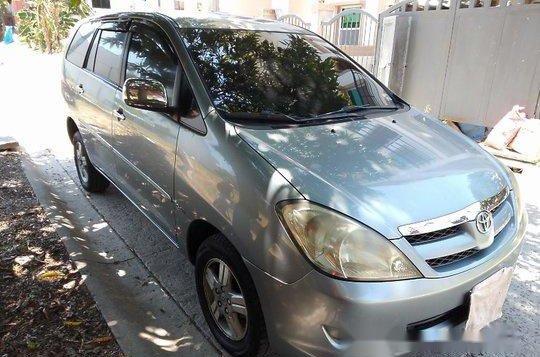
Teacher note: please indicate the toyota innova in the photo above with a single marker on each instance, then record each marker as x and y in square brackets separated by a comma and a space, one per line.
[320, 210]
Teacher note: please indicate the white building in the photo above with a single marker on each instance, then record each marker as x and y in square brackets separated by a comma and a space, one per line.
[353, 32]
[311, 11]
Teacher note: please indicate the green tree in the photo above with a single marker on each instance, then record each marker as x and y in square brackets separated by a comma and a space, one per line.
[45, 23]
[248, 73]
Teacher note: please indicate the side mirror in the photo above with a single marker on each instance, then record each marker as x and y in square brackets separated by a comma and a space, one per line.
[145, 94]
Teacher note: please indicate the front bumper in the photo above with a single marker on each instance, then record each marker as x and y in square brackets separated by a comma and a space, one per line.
[321, 316]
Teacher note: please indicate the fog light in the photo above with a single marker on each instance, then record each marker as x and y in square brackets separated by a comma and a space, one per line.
[337, 337]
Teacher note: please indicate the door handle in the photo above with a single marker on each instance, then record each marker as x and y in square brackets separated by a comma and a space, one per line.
[119, 114]
[80, 89]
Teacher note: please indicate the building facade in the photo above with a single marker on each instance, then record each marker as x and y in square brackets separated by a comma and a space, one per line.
[311, 11]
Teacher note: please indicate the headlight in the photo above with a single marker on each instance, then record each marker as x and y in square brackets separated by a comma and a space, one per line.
[342, 247]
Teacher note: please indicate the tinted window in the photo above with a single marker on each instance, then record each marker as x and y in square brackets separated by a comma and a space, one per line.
[79, 45]
[290, 73]
[109, 55]
[150, 57]
[101, 4]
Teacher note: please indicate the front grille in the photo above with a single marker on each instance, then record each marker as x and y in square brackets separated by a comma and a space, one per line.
[452, 258]
[446, 241]
[433, 236]
[496, 209]
[442, 233]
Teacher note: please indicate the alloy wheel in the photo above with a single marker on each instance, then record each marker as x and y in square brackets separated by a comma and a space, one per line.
[225, 299]
[81, 161]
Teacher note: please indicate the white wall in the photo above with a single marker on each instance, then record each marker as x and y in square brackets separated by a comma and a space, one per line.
[252, 8]
[470, 64]
[304, 8]
[312, 11]
[129, 5]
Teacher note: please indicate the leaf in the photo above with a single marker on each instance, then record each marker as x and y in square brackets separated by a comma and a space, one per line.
[51, 275]
[102, 339]
[32, 345]
[72, 323]
[43, 24]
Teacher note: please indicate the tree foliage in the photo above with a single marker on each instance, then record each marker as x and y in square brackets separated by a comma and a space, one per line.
[248, 73]
[45, 23]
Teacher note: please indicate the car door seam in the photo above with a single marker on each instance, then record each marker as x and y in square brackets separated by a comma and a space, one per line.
[140, 172]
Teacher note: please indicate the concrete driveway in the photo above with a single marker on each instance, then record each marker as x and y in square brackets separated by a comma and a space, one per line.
[142, 284]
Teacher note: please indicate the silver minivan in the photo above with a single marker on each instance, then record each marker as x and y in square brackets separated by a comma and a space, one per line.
[320, 210]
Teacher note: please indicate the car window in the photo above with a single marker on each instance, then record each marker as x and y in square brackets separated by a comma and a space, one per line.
[150, 57]
[188, 103]
[101, 4]
[76, 52]
[108, 62]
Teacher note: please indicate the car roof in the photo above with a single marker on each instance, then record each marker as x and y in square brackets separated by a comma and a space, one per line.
[213, 21]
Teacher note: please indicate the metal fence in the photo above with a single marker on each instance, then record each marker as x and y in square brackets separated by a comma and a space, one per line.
[354, 31]
[467, 60]
[294, 20]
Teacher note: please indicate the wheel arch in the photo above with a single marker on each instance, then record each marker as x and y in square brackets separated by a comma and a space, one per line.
[71, 127]
[197, 232]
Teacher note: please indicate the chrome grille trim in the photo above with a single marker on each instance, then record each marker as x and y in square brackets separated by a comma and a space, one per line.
[501, 217]
[456, 218]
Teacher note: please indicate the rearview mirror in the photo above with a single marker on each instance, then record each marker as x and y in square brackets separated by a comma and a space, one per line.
[145, 94]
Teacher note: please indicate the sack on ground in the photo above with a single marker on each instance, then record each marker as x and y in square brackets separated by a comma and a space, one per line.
[527, 140]
[8, 35]
[506, 129]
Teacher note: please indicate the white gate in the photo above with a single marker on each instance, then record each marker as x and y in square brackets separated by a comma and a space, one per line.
[294, 20]
[354, 31]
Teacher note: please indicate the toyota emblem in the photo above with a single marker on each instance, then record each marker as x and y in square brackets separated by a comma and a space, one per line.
[484, 221]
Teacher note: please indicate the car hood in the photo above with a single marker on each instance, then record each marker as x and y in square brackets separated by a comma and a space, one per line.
[384, 172]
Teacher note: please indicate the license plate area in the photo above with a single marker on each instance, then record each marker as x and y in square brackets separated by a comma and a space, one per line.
[487, 299]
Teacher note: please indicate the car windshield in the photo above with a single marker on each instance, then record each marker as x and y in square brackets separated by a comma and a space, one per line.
[259, 74]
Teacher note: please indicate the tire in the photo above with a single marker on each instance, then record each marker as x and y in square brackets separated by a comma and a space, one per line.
[249, 340]
[91, 179]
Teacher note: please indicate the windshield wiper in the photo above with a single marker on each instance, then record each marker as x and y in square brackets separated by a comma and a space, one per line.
[280, 114]
[275, 117]
[355, 109]
[264, 117]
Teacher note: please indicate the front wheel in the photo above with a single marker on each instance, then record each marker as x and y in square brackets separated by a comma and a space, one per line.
[229, 300]
[91, 179]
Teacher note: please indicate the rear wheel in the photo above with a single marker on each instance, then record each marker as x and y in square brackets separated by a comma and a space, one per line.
[90, 178]
[228, 299]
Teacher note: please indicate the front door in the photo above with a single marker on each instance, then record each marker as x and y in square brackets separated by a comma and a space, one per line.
[98, 85]
[144, 140]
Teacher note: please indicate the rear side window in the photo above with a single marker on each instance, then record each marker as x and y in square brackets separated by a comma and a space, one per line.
[79, 45]
[101, 4]
[108, 62]
[150, 57]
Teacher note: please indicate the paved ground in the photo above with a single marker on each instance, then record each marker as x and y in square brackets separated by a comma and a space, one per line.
[148, 294]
